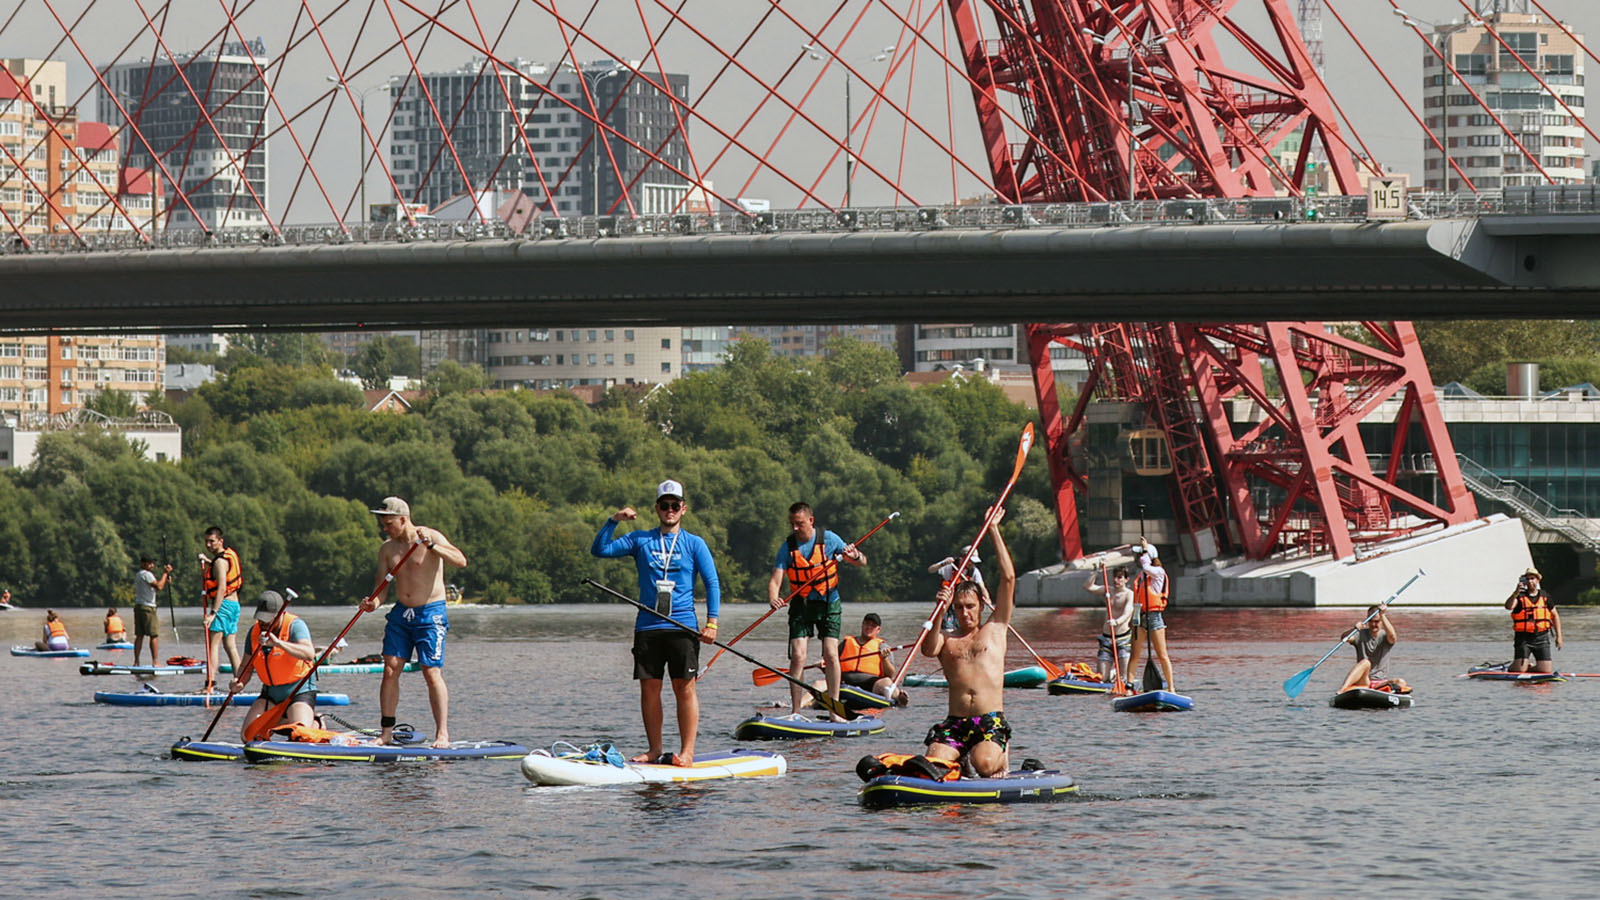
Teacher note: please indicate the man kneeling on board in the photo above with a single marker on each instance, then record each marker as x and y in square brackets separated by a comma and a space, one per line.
[974, 661]
[865, 663]
[286, 656]
[1373, 639]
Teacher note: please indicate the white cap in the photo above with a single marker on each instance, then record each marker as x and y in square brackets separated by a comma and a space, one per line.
[1147, 547]
[669, 488]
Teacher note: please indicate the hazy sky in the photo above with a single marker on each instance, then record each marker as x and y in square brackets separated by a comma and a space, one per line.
[896, 151]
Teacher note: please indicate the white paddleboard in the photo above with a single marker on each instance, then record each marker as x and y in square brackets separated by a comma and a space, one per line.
[541, 767]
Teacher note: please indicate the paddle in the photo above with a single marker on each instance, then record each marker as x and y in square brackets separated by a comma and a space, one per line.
[244, 668]
[1024, 444]
[764, 677]
[205, 630]
[1117, 689]
[269, 719]
[822, 575]
[1297, 682]
[172, 605]
[823, 700]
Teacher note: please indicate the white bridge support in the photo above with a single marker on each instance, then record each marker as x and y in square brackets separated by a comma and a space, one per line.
[1474, 564]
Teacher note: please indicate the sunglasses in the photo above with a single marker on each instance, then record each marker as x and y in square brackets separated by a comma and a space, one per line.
[669, 504]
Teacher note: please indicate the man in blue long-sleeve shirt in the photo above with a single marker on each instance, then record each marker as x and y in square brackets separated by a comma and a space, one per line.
[668, 560]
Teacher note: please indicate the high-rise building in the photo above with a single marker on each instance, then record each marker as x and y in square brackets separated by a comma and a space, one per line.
[1544, 120]
[928, 347]
[219, 155]
[42, 376]
[554, 160]
[545, 358]
[796, 341]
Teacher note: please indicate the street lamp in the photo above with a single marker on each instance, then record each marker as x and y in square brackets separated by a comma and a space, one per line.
[849, 154]
[594, 148]
[1104, 40]
[1442, 48]
[361, 139]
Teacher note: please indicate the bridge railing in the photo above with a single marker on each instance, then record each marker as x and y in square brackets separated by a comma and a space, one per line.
[1551, 200]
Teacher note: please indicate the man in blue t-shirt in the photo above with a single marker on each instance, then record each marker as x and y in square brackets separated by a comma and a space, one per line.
[668, 560]
[809, 560]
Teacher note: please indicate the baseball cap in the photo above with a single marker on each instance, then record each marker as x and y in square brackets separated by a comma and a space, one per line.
[393, 506]
[669, 488]
[267, 607]
[871, 619]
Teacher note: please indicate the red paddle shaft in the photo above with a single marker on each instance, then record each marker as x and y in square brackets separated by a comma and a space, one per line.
[243, 674]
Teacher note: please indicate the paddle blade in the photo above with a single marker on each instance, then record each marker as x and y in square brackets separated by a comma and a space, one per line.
[764, 677]
[1297, 683]
[834, 706]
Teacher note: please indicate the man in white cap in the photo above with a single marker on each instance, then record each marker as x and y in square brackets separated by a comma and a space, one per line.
[1533, 621]
[286, 656]
[668, 560]
[1150, 592]
[418, 620]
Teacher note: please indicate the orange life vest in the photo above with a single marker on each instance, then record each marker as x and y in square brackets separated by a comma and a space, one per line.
[114, 624]
[815, 573]
[57, 628]
[235, 575]
[918, 766]
[867, 657]
[1532, 615]
[304, 734]
[276, 666]
[1150, 600]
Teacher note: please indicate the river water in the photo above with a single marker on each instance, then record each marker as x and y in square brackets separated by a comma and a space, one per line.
[1480, 787]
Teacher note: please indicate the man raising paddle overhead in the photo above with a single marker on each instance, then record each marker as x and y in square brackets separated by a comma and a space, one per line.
[974, 661]
[418, 620]
[668, 560]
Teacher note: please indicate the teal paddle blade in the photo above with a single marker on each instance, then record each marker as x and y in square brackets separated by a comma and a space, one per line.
[1297, 683]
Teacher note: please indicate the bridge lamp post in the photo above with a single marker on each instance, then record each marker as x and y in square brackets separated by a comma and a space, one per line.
[594, 145]
[816, 52]
[1150, 46]
[1442, 33]
[361, 143]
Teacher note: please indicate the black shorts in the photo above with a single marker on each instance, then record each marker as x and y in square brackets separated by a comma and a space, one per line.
[1533, 646]
[859, 679]
[675, 652]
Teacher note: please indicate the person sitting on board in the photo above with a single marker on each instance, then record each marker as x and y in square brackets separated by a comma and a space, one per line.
[667, 559]
[1150, 589]
[1373, 638]
[116, 633]
[866, 663]
[418, 620]
[55, 634]
[973, 660]
[1533, 620]
[5, 598]
[946, 570]
[286, 656]
[1122, 606]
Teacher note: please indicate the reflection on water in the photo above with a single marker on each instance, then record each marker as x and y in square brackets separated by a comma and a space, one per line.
[1250, 795]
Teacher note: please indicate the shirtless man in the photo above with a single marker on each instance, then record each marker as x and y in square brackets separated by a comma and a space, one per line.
[973, 660]
[418, 619]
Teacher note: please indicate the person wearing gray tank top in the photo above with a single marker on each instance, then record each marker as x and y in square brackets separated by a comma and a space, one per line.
[1373, 638]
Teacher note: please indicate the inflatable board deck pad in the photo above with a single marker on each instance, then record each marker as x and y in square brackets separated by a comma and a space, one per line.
[204, 751]
[543, 767]
[343, 668]
[1153, 701]
[96, 667]
[861, 698]
[1519, 677]
[798, 727]
[1030, 677]
[48, 654]
[365, 750]
[1070, 685]
[157, 698]
[1038, 786]
[115, 645]
[1367, 698]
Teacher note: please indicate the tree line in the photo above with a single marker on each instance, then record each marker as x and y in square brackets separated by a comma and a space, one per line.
[287, 461]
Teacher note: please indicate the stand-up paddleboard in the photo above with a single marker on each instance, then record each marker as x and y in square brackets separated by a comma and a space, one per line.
[1032, 786]
[96, 667]
[158, 698]
[861, 698]
[114, 645]
[365, 750]
[343, 668]
[572, 767]
[1070, 685]
[1153, 701]
[208, 751]
[1029, 677]
[6, 606]
[798, 727]
[48, 654]
[1367, 698]
[1519, 677]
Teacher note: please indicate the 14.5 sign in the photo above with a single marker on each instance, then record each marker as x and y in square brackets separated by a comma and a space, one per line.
[1386, 197]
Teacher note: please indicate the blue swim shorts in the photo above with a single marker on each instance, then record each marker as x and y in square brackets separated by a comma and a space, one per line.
[227, 617]
[417, 627]
[1153, 621]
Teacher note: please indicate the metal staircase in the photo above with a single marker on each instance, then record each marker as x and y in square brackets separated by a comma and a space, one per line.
[1528, 504]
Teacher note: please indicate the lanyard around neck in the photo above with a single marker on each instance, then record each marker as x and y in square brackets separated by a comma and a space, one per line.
[667, 553]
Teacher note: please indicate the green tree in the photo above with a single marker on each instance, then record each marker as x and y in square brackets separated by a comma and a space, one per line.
[450, 377]
[1455, 349]
[375, 361]
[113, 404]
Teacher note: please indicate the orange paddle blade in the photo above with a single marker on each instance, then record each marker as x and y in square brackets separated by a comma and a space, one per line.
[764, 677]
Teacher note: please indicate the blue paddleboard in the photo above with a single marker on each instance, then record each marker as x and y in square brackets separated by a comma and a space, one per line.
[48, 654]
[1153, 701]
[114, 645]
[148, 698]
[798, 727]
[1035, 786]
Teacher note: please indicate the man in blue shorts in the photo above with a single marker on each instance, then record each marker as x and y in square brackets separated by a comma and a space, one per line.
[223, 577]
[668, 559]
[808, 560]
[418, 621]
